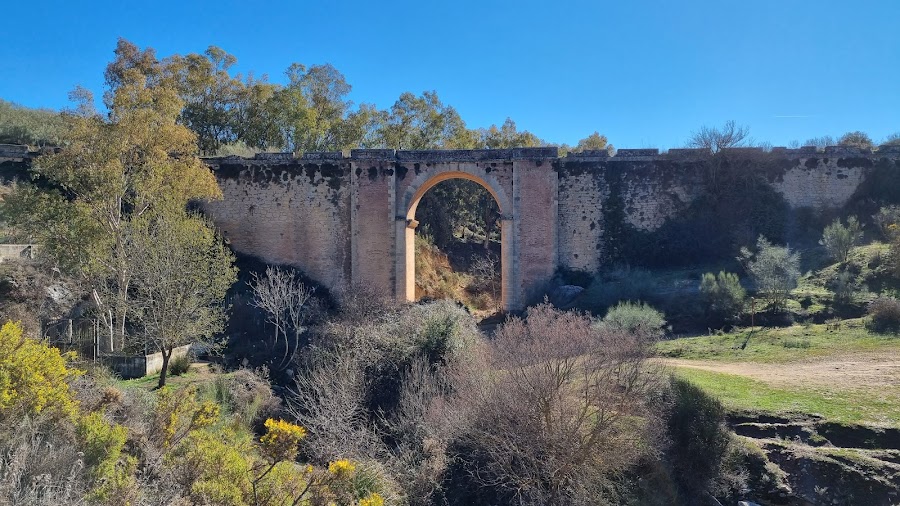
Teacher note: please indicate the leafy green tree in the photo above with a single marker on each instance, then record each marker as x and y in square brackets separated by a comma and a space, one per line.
[181, 272]
[130, 61]
[839, 239]
[722, 294]
[210, 94]
[256, 114]
[508, 136]
[313, 114]
[593, 142]
[114, 169]
[774, 269]
[856, 139]
[423, 122]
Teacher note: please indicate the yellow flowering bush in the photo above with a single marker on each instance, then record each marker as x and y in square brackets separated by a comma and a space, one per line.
[341, 467]
[33, 376]
[102, 443]
[179, 412]
[281, 440]
[374, 499]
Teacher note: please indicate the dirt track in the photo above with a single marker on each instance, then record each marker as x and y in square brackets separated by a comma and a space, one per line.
[848, 371]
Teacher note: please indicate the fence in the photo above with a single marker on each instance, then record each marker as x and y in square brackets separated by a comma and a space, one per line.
[85, 337]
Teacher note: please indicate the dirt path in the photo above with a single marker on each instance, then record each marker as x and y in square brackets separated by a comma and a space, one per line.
[862, 370]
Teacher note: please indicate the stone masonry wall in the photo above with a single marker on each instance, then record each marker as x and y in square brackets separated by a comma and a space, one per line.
[643, 189]
[287, 211]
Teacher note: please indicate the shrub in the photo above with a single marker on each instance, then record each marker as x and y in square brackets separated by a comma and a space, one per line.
[247, 395]
[39, 463]
[887, 218]
[774, 269]
[839, 239]
[634, 317]
[699, 438]
[722, 294]
[34, 377]
[180, 365]
[884, 314]
[566, 406]
[843, 285]
[103, 444]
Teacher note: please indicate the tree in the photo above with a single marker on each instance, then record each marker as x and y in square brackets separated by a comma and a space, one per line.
[508, 136]
[114, 169]
[593, 142]
[839, 239]
[313, 107]
[856, 139]
[715, 139]
[722, 294]
[283, 296]
[634, 318]
[181, 272]
[256, 114]
[892, 140]
[210, 94]
[774, 269]
[821, 142]
[423, 122]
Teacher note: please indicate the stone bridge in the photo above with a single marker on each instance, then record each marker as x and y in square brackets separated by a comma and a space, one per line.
[350, 219]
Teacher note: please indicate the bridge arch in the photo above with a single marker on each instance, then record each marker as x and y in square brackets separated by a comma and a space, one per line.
[406, 224]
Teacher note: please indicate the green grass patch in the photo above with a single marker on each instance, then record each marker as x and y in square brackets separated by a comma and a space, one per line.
[780, 345]
[878, 407]
[196, 375]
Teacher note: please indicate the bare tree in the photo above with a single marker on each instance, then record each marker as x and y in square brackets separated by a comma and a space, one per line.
[716, 139]
[821, 142]
[566, 405]
[284, 298]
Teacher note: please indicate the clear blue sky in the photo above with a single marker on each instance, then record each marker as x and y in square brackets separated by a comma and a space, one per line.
[644, 72]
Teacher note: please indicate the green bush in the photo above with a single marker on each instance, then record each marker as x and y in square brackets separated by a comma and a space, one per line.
[884, 314]
[722, 295]
[180, 365]
[843, 285]
[774, 269]
[699, 438]
[839, 239]
[634, 317]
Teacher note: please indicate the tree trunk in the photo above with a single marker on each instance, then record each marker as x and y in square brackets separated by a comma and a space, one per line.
[166, 355]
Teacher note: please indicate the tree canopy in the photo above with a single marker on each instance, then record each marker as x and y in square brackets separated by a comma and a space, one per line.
[311, 112]
[118, 173]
